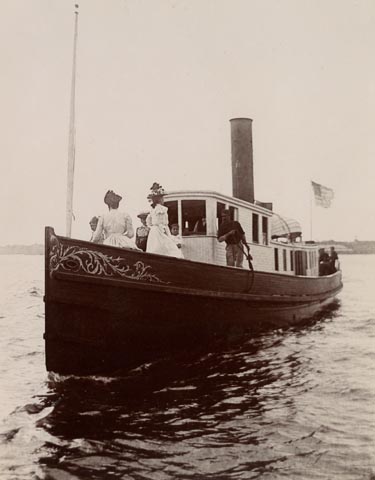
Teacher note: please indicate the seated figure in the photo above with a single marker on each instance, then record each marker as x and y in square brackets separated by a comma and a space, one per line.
[200, 226]
[175, 235]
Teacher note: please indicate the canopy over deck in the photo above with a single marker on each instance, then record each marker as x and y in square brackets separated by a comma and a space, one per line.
[284, 227]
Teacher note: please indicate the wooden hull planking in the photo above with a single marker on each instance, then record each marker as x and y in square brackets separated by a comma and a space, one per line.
[109, 308]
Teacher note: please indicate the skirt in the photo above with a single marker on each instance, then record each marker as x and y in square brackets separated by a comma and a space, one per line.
[160, 242]
[120, 240]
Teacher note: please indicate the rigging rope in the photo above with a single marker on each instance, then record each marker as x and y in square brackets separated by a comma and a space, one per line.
[251, 268]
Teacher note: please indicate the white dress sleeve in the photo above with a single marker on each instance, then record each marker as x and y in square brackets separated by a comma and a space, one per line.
[161, 214]
[99, 231]
[129, 226]
[149, 220]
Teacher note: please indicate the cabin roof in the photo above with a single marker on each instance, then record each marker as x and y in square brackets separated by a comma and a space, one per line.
[284, 226]
[219, 196]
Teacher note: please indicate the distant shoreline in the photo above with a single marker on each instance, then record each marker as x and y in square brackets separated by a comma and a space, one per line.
[35, 249]
[362, 247]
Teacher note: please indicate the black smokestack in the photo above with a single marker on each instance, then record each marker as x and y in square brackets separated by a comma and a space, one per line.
[242, 159]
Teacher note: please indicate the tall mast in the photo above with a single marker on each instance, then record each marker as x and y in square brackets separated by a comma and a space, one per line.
[72, 132]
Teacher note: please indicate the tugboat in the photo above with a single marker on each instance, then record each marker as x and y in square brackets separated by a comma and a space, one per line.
[109, 308]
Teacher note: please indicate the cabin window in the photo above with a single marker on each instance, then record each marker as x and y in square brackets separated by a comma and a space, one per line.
[304, 256]
[284, 259]
[255, 228]
[233, 213]
[291, 260]
[172, 211]
[265, 230]
[219, 208]
[300, 262]
[276, 253]
[193, 217]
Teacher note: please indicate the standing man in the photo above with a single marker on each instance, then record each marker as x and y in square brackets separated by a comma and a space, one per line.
[333, 260]
[231, 232]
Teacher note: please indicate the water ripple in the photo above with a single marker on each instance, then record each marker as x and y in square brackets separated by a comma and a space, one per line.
[296, 403]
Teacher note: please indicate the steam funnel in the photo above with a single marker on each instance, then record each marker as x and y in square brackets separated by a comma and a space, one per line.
[242, 159]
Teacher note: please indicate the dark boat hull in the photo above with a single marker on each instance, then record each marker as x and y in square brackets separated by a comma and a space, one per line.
[110, 308]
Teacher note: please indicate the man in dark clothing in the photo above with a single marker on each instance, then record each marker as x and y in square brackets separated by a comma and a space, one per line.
[324, 263]
[231, 232]
[332, 260]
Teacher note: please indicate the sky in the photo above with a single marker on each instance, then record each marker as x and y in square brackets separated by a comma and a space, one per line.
[157, 83]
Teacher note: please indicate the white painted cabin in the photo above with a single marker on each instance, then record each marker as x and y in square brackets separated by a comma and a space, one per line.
[188, 208]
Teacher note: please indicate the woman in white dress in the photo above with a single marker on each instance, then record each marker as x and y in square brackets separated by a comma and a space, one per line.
[116, 226]
[160, 239]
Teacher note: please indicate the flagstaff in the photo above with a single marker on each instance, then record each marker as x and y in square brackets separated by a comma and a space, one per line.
[71, 148]
[311, 209]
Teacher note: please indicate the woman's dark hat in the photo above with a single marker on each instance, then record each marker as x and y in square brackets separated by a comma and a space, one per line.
[156, 191]
[94, 220]
[143, 214]
[112, 197]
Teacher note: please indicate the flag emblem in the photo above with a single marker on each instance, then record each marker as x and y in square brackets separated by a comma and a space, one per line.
[323, 195]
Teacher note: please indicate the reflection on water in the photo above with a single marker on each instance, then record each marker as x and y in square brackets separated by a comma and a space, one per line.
[223, 406]
[153, 419]
[281, 405]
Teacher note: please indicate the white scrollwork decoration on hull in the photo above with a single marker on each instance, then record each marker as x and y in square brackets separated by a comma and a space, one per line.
[72, 259]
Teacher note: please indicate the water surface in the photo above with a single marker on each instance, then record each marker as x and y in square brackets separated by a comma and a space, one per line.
[296, 404]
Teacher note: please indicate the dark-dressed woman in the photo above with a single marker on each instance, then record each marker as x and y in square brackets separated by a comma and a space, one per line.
[115, 225]
[141, 234]
[159, 238]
